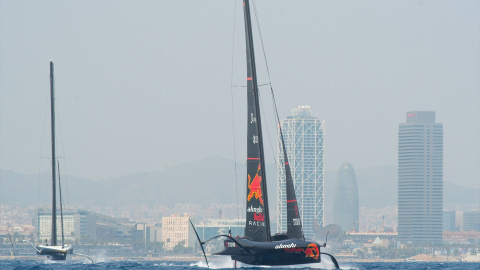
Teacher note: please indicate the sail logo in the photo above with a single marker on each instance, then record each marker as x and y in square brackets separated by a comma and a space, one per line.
[256, 223]
[292, 245]
[252, 119]
[296, 222]
[257, 210]
[312, 251]
[258, 217]
[255, 187]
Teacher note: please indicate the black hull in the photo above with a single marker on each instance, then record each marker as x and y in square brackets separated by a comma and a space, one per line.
[54, 253]
[285, 252]
[276, 259]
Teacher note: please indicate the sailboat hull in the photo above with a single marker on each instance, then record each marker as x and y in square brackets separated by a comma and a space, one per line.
[285, 252]
[56, 253]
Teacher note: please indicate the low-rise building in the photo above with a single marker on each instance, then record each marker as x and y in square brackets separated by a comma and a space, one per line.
[214, 227]
[82, 226]
[471, 220]
[370, 237]
[148, 233]
[471, 237]
[176, 230]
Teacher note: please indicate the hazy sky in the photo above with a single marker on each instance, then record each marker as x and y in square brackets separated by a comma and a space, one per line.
[145, 85]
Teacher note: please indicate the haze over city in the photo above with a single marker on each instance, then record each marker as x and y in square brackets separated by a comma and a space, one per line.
[144, 86]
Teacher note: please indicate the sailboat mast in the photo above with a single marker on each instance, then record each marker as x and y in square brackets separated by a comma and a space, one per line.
[53, 240]
[258, 221]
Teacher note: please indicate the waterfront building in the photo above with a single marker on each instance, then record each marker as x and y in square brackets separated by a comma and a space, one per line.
[77, 224]
[345, 204]
[213, 227]
[370, 237]
[420, 178]
[468, 238]
[449, 221]
[82, 226]
[147, 233]
[153, 233]
[471, 220]
[176, 230]
[304, 143]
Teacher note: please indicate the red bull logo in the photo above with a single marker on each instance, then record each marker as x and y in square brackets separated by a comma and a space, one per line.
[255, 187]
[259, 217]
[312, 251]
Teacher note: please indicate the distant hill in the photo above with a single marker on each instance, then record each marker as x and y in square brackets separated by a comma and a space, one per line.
[378, 187]
[205, 182]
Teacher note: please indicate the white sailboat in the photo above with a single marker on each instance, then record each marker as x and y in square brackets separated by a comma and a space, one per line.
[54, 250]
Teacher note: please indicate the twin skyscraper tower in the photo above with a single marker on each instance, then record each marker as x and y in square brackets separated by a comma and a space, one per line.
[420, 177]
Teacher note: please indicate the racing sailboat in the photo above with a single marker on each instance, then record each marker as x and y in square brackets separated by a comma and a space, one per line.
[54, 251]
[258, 246]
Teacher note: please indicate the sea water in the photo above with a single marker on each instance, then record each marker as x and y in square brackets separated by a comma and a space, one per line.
[170, 265]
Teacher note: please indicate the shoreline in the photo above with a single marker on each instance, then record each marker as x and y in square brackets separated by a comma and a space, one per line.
[414, 259]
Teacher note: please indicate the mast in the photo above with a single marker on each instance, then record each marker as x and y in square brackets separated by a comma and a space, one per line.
[257, 227]
[53, 240]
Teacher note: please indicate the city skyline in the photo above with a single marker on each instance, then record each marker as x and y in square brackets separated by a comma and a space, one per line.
[155, 91]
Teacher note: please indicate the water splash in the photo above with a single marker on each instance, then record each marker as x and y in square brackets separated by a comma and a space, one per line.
[100, 257]
[219, 263]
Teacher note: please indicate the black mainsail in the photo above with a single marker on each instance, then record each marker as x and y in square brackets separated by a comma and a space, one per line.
[294, 222]
[258, 219]
[257, 227]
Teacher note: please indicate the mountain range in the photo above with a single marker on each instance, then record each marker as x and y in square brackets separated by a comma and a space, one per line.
[204, 182]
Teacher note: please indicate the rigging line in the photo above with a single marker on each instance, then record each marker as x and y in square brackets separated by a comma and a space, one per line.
[261, 42]
[233, 113]
[268, 70]
[67, 202]
[61, 203]
[41, 151]
[268, 130]
[63, 148]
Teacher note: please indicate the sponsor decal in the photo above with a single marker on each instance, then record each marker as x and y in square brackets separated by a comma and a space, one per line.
[293, 250]
[292, 245]
[312, 251]
[230, 244]
[296, 222]
[258, 217]
[257, 210]
[255, 187]
[252, 119]
[256, 223]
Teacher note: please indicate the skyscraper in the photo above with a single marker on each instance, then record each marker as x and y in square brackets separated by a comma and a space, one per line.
[420, 178]
[345, 204]
[303, 136]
